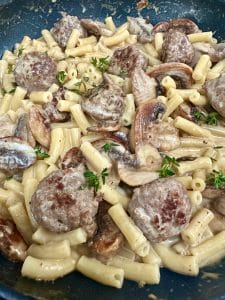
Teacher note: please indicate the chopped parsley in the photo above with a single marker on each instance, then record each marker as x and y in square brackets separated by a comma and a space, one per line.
[41, 154]
[61, 76]
[167, 167]
[217, 178]
[218, 147]
[210, 119]
[93, 180]
[12, 91]
[20, 52]
[108, 146]
[100, 64]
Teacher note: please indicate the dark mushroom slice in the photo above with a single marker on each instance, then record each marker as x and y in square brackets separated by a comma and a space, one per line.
[186, 111]
[12, 245]
[95, 27]
[143, 86]
[60, 204]
[215, 92]
[180, 72]
[108, 238]
[40, 125]
[219, 205]
[160, 209]
[216, 52]
[147, 128]
[23, 130]
[50, 108]
[125, 60]
[177, 48]
[218, 222]
[140, 27]
[7, 126]
[15, 154]
[62, 29]
[105, 104]
[184, 25]
[35, 71]
[211, 192]
[72, 158]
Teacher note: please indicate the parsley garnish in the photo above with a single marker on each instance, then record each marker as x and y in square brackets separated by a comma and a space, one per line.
[108, 146]
[218, 147]
[61, 76]
[20, 52]
[12, 91]
[217, 178]
[93, 180]
[210, 119]
[167, 167]
[41, 154]
[101, 64]
[77, 87]
[9, 177]
[10, 68]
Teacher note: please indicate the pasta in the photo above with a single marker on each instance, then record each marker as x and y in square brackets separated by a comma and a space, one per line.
[97, 182]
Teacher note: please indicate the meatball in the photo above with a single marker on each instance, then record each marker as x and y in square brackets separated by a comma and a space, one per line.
[60, 205]
[215, 91]
[125, 60]
[161, 209]
[177, 48]
[35, 71]
[64, 27]
[51, 111]
[105, 104]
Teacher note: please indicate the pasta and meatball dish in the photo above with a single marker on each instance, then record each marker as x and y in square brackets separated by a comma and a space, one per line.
[112, 150]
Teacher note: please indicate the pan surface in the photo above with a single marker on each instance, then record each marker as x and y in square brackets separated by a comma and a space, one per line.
[28, 17]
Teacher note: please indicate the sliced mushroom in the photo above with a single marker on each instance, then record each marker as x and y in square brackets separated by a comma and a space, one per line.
[141, 28]
[148, 129]
[218, 222]
[95, 27]
[12, 244]
[186, 111]
[23, 130]
[105, 104]
[72, 158]
[135, 177]
[180, 72]
[15, 154]
[211, 192]
[215, 51]
[143, 86]
[39, 125]
[7, 126]
[184, 25]
[219, 205]
[108, 238]
[148, 157]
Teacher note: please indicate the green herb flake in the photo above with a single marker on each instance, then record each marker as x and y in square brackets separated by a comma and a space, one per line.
[199, 116]
[123, 73]
[217, 178]
[218, 147]
[167, 167]
[41, 154]
[10, 68]
[9, 177]
[101, 64]
[108, 146]
[212, 118]
[86, 78]
[12, 91]
[93, 180]
[61, 76]
[77, 86]
[20, 52]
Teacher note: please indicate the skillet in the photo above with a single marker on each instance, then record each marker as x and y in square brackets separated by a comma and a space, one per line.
[28, 17]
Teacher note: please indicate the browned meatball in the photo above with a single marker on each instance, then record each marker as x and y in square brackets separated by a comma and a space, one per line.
[60, 205]
[35, 71]
[64, 27]
[215, 91]
[12, 244]
[125, 60]
[105, 104]
[177, 48]
[161, 209]
[51, 111]
[108, 238]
